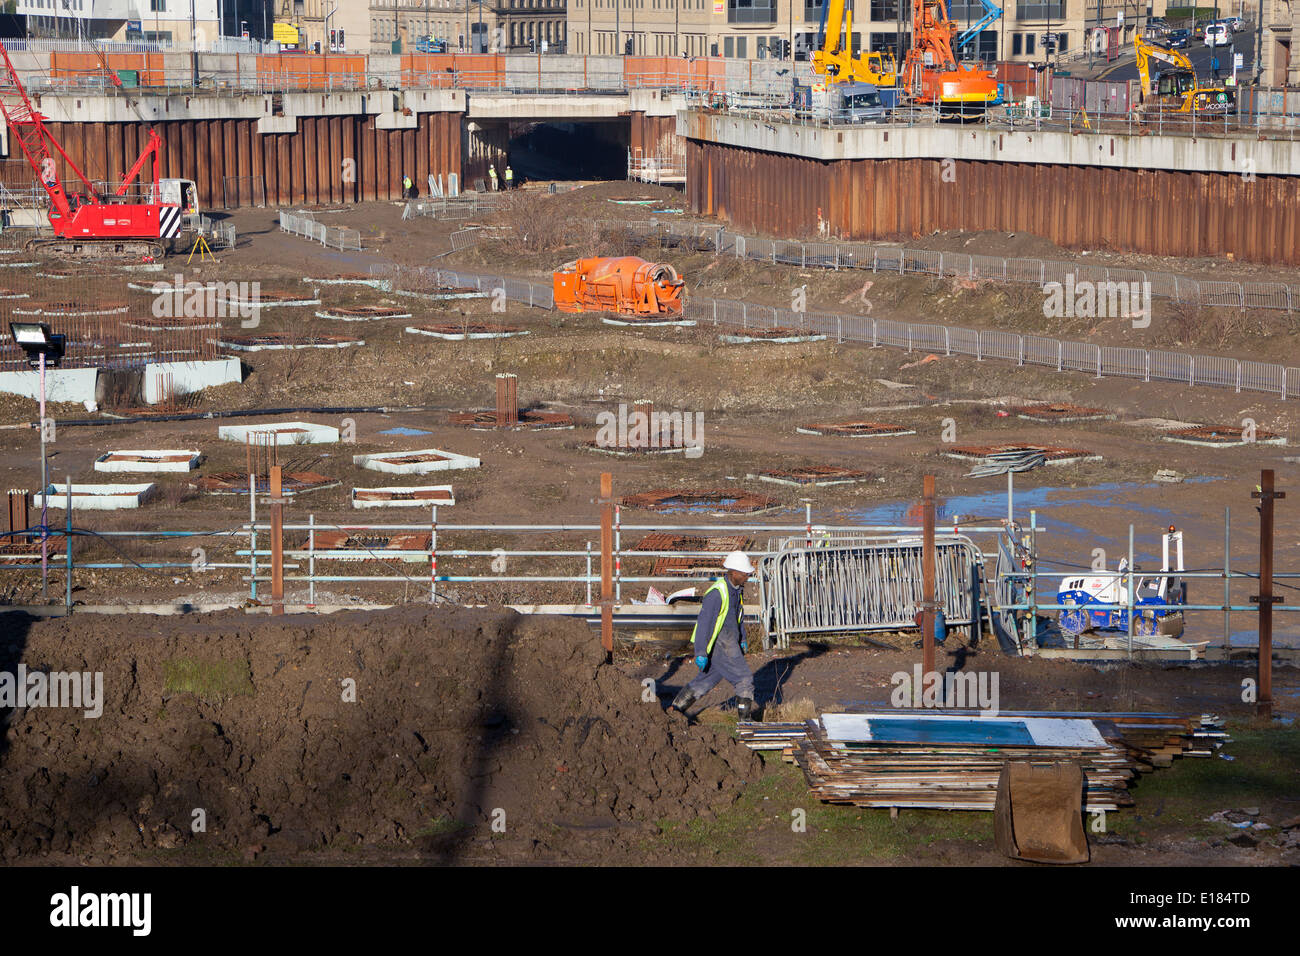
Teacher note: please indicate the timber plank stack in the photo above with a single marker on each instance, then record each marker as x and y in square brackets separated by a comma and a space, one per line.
[963, 775]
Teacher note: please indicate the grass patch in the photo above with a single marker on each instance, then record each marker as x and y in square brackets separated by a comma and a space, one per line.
[212, 681]
[1263, 773]
[758, 828]
[441, 826]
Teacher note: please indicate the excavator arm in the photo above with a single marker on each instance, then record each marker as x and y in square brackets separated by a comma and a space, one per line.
[1147, 51]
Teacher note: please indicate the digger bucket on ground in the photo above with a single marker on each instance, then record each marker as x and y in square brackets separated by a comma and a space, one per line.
[1038, 815]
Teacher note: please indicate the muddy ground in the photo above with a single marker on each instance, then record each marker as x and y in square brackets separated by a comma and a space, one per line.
[752, 398]
[475, 736]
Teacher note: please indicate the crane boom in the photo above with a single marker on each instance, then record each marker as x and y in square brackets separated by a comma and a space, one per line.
[991, 15]
[84, 222]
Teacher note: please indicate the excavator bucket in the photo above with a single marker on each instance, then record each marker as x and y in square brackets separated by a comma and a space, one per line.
[1038, 815]
[626, 285]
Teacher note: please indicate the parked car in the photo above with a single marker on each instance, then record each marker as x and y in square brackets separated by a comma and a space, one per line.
[1177, 39]
[1218, 34]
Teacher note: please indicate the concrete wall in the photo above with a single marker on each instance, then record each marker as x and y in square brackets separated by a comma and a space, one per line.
[1208, 153]
[919, 189]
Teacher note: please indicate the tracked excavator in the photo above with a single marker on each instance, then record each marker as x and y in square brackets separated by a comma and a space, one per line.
[626, 285]
[1178, 90]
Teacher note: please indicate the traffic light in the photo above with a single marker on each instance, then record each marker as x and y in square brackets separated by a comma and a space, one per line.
[1049, 42]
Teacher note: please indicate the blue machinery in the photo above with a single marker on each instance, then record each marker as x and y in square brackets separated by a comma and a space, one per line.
[991, 15]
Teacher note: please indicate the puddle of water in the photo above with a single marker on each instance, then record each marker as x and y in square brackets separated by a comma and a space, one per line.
[404, 431]
[993, 504]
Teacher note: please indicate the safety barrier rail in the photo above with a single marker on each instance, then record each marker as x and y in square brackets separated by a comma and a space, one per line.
[333, 237]
[1216, 371]
[864, 585]
[886, 258]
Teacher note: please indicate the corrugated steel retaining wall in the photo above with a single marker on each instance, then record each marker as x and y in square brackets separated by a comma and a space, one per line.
[232, 163]
[1167, 213]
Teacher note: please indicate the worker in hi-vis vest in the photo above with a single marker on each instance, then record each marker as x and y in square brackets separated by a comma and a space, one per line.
[719, 640]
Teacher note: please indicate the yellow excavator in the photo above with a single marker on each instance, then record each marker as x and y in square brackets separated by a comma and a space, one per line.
[1178, 90]
[835, 59]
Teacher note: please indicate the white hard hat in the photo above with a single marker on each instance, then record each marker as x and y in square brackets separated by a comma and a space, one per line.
[738, 561]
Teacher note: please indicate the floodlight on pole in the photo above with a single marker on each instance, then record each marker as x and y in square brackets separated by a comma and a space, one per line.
[43, 349]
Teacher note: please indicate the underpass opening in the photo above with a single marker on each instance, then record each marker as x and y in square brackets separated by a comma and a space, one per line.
[560, 150]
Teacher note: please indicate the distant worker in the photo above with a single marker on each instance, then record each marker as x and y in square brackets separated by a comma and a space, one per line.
[408, 187]
[719, 640]
[510, 177]
[492, 175]
[1214, 66]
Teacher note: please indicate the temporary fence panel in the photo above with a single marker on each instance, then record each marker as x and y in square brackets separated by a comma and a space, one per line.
[867, 587]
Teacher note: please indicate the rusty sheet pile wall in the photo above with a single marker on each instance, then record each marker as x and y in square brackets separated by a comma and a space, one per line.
[1161, 212]
[235, 165]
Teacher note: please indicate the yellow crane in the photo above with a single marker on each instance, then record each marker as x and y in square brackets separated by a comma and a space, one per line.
[1178, 90]
[835, 59]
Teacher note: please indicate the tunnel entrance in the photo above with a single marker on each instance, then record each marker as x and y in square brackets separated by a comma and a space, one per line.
[563, 150]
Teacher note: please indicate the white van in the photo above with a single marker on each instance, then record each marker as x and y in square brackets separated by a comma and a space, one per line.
[1218, 34]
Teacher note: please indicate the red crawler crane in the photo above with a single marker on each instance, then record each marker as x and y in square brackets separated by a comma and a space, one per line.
[86, 223]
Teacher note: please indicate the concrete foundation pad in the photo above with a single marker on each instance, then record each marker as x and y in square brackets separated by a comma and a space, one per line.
[743, 339]
[422, 496]
[151, 460]
[367, 313]
[650, 323]
[95, 497]
[442, 296]
[453, 333]
[286, 342]
[418, 462]
[289, 433]
[383, 285]
[1223, 436]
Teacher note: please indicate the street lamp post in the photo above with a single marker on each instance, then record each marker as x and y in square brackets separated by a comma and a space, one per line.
[42, 348]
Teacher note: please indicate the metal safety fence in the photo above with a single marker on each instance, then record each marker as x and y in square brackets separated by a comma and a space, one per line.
[864, 585]
[1148, 365]
[874, 257]
[333, 237]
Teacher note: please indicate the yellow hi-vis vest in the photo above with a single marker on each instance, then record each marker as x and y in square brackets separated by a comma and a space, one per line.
[720, 585]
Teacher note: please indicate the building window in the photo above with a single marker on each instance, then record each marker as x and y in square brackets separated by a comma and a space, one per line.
[812, 10]
[1040, 11]
[157, 6]
[1015, 44]
[1029, 44]
[884, 9]
[751, 11]
[728, 46]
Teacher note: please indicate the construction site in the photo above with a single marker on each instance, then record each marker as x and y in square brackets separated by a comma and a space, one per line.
[375, 430]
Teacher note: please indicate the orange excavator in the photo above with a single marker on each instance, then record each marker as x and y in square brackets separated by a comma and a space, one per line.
[626, 285]
[931, 73]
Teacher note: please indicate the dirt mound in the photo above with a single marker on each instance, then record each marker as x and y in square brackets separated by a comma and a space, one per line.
[461, 719]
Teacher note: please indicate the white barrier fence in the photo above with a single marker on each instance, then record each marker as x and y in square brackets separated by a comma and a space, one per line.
[333, 237]
[1148, 365]
[882, 258]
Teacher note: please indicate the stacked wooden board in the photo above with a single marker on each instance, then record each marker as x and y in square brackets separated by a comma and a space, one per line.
[952, 760]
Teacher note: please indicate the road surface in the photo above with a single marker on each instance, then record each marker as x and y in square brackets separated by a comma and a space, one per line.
[1198, 53]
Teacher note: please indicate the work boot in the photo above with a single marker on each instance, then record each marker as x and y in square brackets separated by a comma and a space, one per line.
[685, 697]
[746, 709]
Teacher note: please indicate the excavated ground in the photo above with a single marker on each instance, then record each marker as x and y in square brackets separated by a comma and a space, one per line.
[462, 719]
